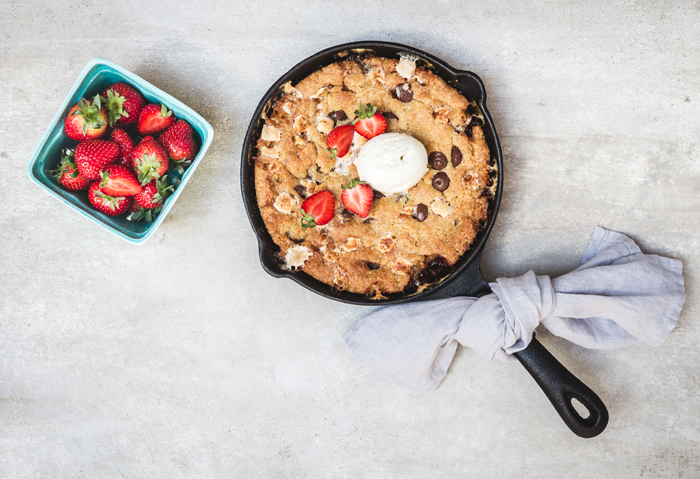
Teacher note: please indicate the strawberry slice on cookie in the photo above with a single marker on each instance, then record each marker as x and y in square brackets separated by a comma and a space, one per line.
[318, 209]
[368, 122]
[339, 140]
[357, 197]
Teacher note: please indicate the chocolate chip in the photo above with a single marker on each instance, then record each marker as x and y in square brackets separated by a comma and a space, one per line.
[456, 156]
[390, 114]
[371, 265]
[404, 93]
[295, 240]
[471, 110]
[437, 160]
[435, 269]
[467, 178]
[300, 190]
[377, 194]
[411, 287]
[421, 212]
[486, 192]
[338, 115]
[474, 121]
[441, 181]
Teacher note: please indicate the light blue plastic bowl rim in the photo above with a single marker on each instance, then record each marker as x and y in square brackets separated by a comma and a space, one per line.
[151, 93]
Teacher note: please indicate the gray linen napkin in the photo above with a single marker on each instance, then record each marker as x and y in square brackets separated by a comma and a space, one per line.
[619, 296]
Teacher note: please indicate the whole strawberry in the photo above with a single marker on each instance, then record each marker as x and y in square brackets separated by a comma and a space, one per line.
[109, 205]
[126, 146]
[154, 193]
[118, 180]
[67, 173]
[93, 155]
[149, 160]
[178, 141]
[123, 103]
[86, 120]
[154, 118]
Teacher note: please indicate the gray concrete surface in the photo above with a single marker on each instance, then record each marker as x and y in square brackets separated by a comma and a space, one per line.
[183, 358]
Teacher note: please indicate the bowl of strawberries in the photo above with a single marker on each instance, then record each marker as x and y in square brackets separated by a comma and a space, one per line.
[120, 150]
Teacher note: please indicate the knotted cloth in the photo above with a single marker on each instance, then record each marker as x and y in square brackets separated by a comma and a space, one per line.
[619, 296]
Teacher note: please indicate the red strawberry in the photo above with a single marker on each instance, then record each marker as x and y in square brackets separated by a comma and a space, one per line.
[93, 155]
[154, 194]
[123, 103]
[317, 209]
[149, 160]
[339, 140]
[150, 200]
[368, 122]
[357, 197]
[67, 173]
[109, 205]
[86, 120]
[126, 146]
[154, 118]
[118, 180]
[178, 141]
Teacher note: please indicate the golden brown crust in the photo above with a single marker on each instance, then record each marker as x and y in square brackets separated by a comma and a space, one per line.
[382, 253]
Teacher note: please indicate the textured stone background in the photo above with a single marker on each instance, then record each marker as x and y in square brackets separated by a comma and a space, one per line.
[182, 358]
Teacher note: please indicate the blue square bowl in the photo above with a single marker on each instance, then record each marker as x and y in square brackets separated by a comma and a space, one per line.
[98, 75]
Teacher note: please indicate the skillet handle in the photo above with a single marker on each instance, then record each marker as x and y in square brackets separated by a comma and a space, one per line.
[558, 384]
[561, 387]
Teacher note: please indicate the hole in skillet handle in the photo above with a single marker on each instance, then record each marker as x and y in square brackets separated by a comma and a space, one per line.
[562, 388]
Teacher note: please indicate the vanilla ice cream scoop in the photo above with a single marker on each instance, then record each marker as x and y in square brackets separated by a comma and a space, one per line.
[392, 162]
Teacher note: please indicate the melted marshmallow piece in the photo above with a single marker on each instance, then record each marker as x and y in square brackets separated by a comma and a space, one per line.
[392, 162]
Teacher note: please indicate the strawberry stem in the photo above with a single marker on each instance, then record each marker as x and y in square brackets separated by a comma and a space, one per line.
[364, 113]
[307, 221]
[353, 183]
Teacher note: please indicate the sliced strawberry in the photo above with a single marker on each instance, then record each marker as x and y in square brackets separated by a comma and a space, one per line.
[118, 180]
[318, 209]
[357, 197]
[339, 140]
[368, 122]
[154, 118]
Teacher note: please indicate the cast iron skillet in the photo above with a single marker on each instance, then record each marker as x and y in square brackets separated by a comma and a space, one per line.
[465, 278]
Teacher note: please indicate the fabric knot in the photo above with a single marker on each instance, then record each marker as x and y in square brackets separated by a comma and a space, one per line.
[526, 301]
